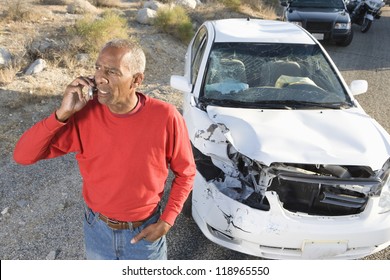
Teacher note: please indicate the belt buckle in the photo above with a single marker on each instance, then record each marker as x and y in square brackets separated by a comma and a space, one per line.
[115, 222]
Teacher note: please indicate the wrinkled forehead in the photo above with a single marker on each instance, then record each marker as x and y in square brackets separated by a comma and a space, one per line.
[113, 57]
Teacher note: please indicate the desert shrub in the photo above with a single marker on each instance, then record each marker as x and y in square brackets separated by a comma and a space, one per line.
[265, 7]
[261, 4]
[90, 33]
[19, 11]
[9, 72]
[106, 3]
[175, 21]
[15, 10]
[53, 2]
[233, 5]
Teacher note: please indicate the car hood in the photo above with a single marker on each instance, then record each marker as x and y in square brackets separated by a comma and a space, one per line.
[316, 14]
[342, 137]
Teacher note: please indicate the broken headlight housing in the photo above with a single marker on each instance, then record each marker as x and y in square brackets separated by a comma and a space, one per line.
[315, 189]
[384, 200]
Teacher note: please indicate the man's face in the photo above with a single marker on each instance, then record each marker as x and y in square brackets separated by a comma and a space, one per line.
[113, 80]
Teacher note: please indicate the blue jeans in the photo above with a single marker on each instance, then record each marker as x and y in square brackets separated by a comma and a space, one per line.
[104, 243]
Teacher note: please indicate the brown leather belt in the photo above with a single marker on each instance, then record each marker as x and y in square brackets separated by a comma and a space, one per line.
[114, 224]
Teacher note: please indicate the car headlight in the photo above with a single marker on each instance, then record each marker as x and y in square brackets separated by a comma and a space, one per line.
[297, 22]
[342, 25]
[384, 200]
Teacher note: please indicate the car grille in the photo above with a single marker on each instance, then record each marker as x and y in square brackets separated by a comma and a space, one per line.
[318, 198]
[329, 190]
[313, 26]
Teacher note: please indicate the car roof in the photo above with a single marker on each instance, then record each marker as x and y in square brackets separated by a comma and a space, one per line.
[258, 30]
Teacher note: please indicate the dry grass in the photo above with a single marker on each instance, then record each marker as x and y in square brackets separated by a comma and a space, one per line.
[266, 9]
[233, 5]
[175, 21]
[90, 33]
[106, 3]
[19, 10]
[8, 73]
[215, 9]
[53, 2]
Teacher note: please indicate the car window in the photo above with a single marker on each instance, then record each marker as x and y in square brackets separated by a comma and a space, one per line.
[197, 52]
[318, 3]
[254, 75]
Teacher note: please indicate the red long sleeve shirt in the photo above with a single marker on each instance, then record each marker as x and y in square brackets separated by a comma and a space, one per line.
[124, 160]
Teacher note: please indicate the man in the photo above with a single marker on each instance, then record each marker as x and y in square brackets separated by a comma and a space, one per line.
[125, 142]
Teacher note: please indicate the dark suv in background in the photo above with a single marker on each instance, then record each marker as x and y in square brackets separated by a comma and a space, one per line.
[326, 20]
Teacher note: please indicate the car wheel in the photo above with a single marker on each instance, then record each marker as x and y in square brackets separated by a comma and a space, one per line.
[347, 41]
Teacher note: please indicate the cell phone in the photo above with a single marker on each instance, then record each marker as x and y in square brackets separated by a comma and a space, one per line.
[91, 90]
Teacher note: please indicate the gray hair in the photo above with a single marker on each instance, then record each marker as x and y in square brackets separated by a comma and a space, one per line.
[136, 61]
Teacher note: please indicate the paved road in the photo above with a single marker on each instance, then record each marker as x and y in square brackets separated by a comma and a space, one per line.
[368, 57]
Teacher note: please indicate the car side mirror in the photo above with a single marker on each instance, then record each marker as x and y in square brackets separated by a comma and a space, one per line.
[180, 83]
[358, 87]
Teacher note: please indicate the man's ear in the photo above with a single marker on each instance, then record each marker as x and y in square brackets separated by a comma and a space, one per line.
[138, 78]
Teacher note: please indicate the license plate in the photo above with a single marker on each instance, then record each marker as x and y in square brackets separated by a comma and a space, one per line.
[323, 249]
[318, 36]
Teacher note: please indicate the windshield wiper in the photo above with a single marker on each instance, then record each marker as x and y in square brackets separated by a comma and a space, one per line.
[274, 104]
[242, 104]
[228, 103]
[294, 104]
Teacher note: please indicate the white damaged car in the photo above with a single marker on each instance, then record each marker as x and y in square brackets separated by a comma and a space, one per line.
[289, 166]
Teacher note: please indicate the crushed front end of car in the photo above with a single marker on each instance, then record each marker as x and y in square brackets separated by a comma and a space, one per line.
[286, 210]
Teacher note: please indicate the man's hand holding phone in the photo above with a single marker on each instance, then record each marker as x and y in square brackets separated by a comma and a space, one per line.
[76, 96]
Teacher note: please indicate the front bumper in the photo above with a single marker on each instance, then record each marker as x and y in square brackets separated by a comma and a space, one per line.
[280, 234]
[340, 35]
[327, 31]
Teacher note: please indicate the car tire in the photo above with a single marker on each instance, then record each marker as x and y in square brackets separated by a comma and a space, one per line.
[347, 41]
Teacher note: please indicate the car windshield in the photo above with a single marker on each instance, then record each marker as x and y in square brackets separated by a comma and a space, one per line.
[337, 4]
[272, 75]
